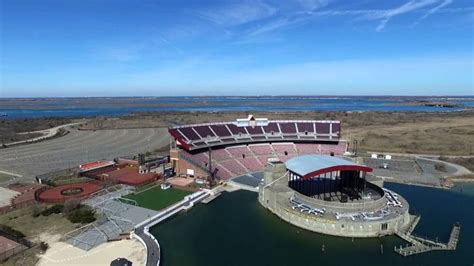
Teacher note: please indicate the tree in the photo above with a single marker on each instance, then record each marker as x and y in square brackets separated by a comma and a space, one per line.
[70, 205]
[43, 246]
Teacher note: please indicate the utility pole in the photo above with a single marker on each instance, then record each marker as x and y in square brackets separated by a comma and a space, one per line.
[210, 167]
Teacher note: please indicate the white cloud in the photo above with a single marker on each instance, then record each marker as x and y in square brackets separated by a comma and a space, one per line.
[313, 4]
[403, 9]
[237, 14]
[385, 15]
[436, 9]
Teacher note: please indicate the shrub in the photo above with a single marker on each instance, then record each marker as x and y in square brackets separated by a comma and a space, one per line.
[43, 246]
[7, 229]
[36, 211]
[81, 215]
[440, 167]
[70, 205]
[57, 208]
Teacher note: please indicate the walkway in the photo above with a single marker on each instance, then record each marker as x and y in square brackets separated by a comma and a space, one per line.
[142, 229]
[421, 245]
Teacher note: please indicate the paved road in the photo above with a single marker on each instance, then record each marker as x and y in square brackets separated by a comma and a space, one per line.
[47, 133]
[79, 147]
[153, 250]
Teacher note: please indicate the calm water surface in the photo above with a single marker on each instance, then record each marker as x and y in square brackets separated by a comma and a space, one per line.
[235, 230]
[75, 107]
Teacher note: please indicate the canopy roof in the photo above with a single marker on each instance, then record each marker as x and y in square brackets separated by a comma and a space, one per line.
[312, 165]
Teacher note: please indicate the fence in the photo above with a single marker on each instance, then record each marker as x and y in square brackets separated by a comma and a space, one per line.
[8, 253]
[58, 173]
[24, 244]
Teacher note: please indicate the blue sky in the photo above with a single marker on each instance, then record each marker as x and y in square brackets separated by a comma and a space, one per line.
[178, 48]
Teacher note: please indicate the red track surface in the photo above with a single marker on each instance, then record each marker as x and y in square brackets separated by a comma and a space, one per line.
[54, 194]
[130, 176]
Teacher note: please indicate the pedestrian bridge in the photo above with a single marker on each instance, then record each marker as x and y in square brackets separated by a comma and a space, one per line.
[141, 230]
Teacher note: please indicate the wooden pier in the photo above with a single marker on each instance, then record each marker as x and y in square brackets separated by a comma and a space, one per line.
[421, 245]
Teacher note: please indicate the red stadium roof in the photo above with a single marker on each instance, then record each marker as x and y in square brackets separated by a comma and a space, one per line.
[92, 165]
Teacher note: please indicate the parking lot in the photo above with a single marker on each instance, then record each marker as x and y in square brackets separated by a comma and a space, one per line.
[79, 147]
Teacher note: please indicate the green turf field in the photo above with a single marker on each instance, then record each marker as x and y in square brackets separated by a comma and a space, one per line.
[157, 198]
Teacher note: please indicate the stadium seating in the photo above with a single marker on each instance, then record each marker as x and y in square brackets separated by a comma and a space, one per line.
[231, 163]
[220, 154]
[193, 137]
[288, 128]
[284, 148]
[307, 148]
[237, 150]
[204, 131]
[252, 164]
[305, 127]
[261, 149]
[234, 167]
[221, 130]
[271, 127]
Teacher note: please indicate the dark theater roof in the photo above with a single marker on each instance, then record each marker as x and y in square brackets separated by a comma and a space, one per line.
[313, 165]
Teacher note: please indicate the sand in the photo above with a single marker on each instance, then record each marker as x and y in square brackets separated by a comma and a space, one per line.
[6, 195]
[61, 253]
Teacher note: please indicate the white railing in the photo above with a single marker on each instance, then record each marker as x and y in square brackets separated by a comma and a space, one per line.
[270, 121]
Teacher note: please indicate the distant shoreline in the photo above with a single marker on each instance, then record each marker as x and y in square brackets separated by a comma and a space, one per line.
[117, 106]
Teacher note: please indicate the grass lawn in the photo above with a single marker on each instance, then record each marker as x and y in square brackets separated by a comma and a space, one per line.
[157, 198]
[23, 221]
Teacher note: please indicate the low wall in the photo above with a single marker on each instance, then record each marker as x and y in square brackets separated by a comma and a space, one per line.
[341, 227]
[277, 202]
[133, 235]
[242, 186]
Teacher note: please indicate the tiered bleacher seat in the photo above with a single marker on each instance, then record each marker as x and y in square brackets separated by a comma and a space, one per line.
[220, 155]
[271, 127]
[307, 148]
[233, 166]
[189, 133]
[288, 128]
[195, 137]
[236, 130]
[306, 128]
[201, 159]
[204, 131]
[261, 149]
[223, 173]
[238, 151]
[254, 130]
[221, 130]
[252, 164]
[285, 158]
[281, 148]
[322, 128]
[336, 128]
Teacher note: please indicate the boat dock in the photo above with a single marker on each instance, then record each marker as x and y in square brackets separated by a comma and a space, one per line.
[421, 245]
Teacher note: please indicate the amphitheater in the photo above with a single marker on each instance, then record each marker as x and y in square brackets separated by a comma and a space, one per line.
[228, 150]
[298, 169]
